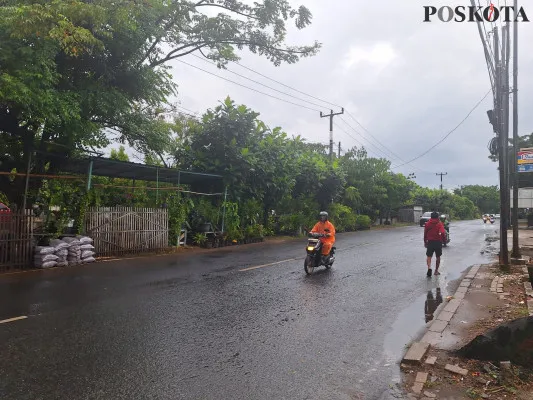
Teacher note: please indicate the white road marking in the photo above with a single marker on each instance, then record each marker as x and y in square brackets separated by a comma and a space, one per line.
[4, 321]
[268, 265]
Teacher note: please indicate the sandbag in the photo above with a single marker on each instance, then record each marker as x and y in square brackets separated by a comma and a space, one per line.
[84, 239]
[87, 254]
[72, 241]
[61, 252]
[48, 264]
[87, 247]
[45, 250]
[88, 260]
[46, 257]
[59, 244]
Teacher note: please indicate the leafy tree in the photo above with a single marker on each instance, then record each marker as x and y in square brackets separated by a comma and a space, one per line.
[75, 73]
[485, 198]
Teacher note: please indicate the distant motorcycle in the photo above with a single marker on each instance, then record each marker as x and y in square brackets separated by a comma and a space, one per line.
[492, 220]
[314, 257]
[446, 239]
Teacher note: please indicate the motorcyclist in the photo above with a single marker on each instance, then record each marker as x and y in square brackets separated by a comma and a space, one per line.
[326, 227]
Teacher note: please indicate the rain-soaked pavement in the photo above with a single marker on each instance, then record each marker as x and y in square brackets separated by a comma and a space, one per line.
[206, 326]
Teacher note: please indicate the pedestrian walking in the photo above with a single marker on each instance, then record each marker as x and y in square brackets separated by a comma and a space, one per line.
[433, 233]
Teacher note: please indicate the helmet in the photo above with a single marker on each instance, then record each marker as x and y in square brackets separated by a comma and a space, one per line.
[323, 215]
[442, 217]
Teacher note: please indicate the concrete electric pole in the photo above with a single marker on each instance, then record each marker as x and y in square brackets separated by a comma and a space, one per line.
[514, 219]
[441, 174]
[331, 115]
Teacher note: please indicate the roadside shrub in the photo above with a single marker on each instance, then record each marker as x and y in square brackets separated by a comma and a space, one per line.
[363, 222]
[342, 217]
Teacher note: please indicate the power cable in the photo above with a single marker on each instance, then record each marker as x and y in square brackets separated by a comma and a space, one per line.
[353, 138]
[247, 87]
[287, 86]
[448, 134]
[385, 147]
[262, 84]
[314, 97]
[370, 143]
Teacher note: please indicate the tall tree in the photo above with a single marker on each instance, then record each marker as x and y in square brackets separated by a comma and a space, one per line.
[75, 73]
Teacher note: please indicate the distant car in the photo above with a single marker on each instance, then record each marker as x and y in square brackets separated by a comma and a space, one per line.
[496, 215]
[425, 218]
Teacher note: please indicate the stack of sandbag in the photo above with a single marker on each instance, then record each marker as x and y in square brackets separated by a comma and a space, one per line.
[74, 250]
[45, 257]
[61, 251]
[87, 249]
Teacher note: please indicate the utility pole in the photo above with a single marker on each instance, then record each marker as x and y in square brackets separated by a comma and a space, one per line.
[441, 174]
[498, 108]
[497, 65]
[339, 153]
[514, 219]
[331, 115]
[506, 98]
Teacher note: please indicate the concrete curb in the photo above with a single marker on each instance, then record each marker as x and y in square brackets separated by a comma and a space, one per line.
[418, 350]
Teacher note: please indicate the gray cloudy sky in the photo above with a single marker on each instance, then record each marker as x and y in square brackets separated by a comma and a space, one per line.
[407, 82]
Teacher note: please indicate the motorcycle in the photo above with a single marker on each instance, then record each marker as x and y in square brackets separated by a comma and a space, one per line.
[492, 220]
[314, 254]
[446, 239]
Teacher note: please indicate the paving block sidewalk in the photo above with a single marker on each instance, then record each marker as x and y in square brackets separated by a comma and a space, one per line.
[480, 292]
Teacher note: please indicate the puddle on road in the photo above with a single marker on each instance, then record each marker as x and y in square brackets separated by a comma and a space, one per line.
[412, 320]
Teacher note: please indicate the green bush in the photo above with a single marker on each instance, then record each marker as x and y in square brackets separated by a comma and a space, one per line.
[342, 217]
[363, 222]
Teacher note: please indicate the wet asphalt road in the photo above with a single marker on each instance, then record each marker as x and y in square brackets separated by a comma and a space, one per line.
[195, 326]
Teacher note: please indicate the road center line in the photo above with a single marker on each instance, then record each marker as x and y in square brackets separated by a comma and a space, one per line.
[293, 259]
[267, 265]
[4, 321]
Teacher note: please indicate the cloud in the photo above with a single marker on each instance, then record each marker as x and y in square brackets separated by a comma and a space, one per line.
[407, 82]
[377, 56]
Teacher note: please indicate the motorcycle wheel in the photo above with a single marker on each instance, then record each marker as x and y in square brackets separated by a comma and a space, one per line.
[308, 265]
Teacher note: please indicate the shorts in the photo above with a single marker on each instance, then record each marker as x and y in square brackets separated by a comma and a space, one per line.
[434, 247]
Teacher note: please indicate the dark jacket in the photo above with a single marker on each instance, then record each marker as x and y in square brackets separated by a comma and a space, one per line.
[434, 230]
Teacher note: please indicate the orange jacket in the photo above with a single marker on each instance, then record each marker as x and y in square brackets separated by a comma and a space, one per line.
[320, 227]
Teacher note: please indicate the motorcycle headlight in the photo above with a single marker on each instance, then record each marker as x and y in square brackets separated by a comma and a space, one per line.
[310, 248]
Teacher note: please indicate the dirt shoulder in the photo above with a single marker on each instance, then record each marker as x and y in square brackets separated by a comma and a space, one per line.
[485, 299]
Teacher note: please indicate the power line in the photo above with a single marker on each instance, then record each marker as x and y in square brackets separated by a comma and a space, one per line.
[354, 139]
[187, 109]
[385, 147]
[287, 86]
[259, 83]
[386, 156]
[322, 100]
[247, 87]
[313, 109]
[388, 151]
[359, 133]
[448, 134]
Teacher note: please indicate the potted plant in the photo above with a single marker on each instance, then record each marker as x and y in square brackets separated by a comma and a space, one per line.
[200, 239]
